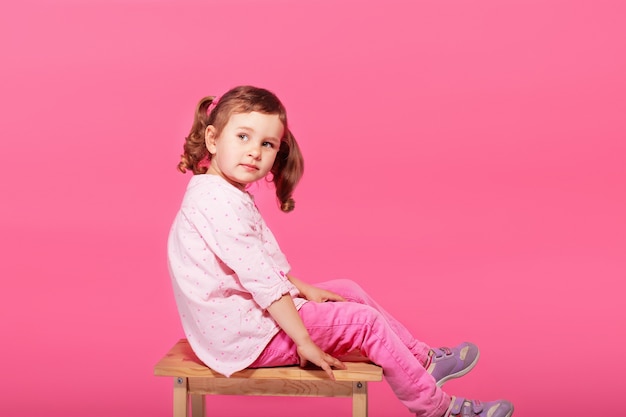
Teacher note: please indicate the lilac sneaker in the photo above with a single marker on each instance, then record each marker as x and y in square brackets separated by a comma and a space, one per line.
[462, 407]
[446, 363]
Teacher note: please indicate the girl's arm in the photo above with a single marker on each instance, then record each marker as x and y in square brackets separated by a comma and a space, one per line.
[313, 293]
[284, 312]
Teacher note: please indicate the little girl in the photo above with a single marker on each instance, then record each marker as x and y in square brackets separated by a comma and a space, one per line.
[239, 305]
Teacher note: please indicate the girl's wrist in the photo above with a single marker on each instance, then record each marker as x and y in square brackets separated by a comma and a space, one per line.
[302, 340]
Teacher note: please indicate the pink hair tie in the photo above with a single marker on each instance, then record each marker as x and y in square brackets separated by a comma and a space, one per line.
[212, 105]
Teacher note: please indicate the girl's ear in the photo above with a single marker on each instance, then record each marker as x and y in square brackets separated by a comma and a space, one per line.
[210, 139]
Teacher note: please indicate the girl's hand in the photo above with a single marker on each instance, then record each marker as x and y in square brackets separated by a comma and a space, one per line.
[310, 352]
[320, 295]
[312, 293]
[284, 312]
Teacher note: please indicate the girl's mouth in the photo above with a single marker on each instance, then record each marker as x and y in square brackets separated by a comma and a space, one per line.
[250, 167]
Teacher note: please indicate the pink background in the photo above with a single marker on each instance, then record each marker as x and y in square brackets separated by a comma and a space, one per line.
[464, 163]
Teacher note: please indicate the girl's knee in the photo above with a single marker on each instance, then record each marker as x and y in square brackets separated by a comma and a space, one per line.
[372, 315]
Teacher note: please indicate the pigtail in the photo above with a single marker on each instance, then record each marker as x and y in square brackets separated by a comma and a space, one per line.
[287, 171]
[195, 153]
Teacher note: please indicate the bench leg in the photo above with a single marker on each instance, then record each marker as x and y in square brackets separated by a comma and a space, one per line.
[359, 399]
[198, 405]
[180, 397]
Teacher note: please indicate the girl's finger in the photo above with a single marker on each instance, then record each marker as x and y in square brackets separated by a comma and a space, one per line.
[329, 370]
[334, 297]
[339, 364]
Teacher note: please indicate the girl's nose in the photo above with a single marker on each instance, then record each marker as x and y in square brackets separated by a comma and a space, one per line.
[255, 151]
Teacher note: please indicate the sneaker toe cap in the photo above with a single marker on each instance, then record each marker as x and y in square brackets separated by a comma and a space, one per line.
[501, 408]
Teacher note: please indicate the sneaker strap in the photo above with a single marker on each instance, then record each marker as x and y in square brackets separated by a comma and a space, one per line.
[463, 407]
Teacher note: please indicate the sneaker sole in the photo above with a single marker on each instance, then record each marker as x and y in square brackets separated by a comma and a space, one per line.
[461, 373]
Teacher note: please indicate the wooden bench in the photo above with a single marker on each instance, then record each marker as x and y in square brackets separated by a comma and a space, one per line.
[193, 380]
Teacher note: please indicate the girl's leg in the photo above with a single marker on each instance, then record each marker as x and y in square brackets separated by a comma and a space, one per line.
[442, 363]
[340, 328]
[351, 291]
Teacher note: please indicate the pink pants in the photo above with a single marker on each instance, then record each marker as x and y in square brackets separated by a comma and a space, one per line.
[360, 324]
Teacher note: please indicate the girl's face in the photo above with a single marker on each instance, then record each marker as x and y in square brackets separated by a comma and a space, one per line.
[246, 148]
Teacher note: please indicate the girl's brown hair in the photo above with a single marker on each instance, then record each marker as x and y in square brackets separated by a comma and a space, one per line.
[289, 164]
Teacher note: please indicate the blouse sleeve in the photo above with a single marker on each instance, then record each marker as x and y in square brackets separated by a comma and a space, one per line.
[233, 230]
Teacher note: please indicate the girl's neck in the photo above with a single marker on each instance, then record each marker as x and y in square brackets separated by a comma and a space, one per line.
[212, 171]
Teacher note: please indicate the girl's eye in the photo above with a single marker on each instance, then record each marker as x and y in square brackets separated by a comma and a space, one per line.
[268, 144]
[243, 137]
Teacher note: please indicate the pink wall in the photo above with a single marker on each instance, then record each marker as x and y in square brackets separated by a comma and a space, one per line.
[464, 162]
